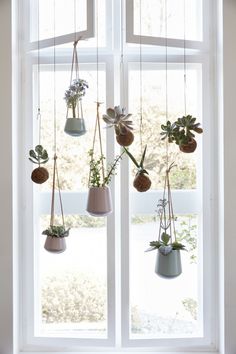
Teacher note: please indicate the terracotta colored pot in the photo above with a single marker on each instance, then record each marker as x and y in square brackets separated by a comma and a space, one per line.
[142, 182]
[75, 126]
[39, 175]
[125, 139]
[190, 147]
[55, 244]
[99, 201]
[168, 266]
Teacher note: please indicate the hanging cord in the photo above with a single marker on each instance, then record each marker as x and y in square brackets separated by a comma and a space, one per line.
[122, 71]
[166, 72]
[141, 77]
[55, 170]
[39, 98]
[97, 128]
[185, 70]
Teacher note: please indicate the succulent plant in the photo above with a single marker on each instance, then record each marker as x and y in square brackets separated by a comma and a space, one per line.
[39, 156]
[56, 231]
[141, 182]
[164, 246]
[74, 93]
[181, 132]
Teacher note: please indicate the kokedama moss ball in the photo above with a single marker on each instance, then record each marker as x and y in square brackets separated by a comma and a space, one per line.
[189, 147]
[39, 175]
[142, 182]
[125, 139]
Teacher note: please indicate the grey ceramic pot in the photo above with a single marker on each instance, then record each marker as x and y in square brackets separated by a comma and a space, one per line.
[168, 266]
[99, 201]
[75, 126]
[55, 244]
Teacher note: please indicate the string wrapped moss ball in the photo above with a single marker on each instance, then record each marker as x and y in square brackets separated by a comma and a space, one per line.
[40, 175]
[142, 182]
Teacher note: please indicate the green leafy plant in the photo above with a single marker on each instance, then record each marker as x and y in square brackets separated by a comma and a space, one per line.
[39, 155]
[96, 166]
[140, 165]
[181, 131]
[75, 93]
[56, 231]
[164, 245]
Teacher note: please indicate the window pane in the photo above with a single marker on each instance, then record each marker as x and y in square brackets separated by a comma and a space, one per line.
[153, 18]
[73, 284]
[73, 160]
[170, 308]
[154, 114]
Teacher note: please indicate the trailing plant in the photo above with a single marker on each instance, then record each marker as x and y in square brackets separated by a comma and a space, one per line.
[181, 131]
[96, 176]
[39, 155]
[56, 231]
[74, 94]
[141, 182]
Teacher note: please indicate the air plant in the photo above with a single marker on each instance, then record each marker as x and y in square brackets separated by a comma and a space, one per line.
[39, 156]
[141, 182]
[181, 132]
[123, 125]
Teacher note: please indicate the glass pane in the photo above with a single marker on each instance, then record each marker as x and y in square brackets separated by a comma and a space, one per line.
[154, 114]
[73, 284]
[73, 159]
[169, 308]
[153, 18]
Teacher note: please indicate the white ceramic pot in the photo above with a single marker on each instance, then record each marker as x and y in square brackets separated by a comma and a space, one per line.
[168, 266]
[99, 201]
[75, 126]
[55, 244]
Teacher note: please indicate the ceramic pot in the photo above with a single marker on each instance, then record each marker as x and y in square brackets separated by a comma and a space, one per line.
[99, 201]
[55, 244]
[190, 147]
[75, 126]
[168, 266]
[39, 175]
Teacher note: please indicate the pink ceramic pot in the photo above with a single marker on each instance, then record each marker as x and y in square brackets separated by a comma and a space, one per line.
[55, 244]
[99, 201]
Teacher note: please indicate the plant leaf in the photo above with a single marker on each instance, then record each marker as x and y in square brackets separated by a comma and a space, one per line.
[132, 157]
[143, 157]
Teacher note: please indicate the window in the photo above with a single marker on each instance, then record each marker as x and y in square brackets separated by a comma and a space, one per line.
[103, 292]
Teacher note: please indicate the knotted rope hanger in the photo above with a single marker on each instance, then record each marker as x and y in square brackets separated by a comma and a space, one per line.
[39, 118]
[55, 168]
[141, 78]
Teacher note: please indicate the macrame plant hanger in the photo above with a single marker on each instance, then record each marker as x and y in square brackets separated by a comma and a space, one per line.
[55, 183]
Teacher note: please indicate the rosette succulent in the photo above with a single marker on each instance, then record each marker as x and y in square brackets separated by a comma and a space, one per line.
[75, 93]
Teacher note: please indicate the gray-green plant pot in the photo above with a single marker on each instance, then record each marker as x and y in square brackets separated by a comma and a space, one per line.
[75, 126]
[99, 201]
[55, 244]
[168, 266]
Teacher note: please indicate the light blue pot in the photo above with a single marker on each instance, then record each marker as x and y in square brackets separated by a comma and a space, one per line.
[168, 266]
[75, 126]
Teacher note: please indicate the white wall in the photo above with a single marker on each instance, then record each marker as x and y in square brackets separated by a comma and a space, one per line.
[6, 267]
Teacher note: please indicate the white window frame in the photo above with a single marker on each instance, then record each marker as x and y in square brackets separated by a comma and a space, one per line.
[152, 345]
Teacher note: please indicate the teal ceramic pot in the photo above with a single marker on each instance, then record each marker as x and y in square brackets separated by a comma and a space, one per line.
[99, 201]
[168, 266]
[75, 126]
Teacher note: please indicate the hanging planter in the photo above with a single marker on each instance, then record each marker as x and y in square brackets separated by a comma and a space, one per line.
[39, 156]
[168, 262]
[123, 125]
[141, 182]
[181, 133]
[99, 196]
[75, 124]
[55, 241]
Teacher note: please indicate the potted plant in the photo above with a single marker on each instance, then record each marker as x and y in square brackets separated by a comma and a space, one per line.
[141, 182]
[99, 197]
[123, 125]
[55, 241]
[181, 132]
[168, 262]
[75, 125]
[39, 156]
